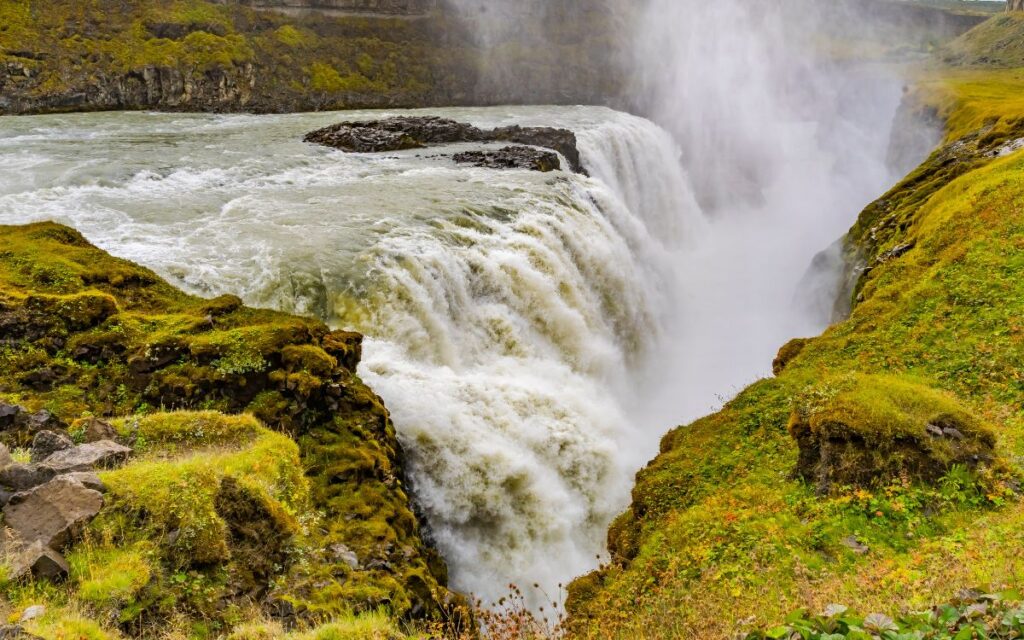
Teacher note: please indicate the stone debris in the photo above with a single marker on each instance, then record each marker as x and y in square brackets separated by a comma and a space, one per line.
[48, 502]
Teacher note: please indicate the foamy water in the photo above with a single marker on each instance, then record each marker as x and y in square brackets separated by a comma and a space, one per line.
[507, 313]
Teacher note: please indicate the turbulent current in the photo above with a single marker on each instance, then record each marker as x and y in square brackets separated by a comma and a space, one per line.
[506, 311]
[529, 332]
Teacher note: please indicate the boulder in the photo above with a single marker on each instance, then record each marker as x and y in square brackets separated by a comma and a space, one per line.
[54, 513]
[22, 477]
[38, 561]
[87, 478]
[43, 421]
[561, 140]
[9, 414]
[394, 134]
[342, 553]
[46, 443]
[515, 157]
[94, 430]
[85, 457]
[33, 612]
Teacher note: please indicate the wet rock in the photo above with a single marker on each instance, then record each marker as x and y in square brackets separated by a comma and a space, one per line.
[394, 134]
[85, 457]
[415, 132]
[47, 443]
[38, 561]
[561, 140]
[517, 157]
[22, 477]
[54, 513]
[95, 430]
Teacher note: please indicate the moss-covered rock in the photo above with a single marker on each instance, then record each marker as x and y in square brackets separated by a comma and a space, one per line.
[187, 383]
[870, 430]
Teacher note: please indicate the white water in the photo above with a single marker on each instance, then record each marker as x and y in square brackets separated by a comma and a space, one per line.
[508, 313]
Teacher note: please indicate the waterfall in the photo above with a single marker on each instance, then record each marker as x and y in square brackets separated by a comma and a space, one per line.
[506, 344]
[509, 315]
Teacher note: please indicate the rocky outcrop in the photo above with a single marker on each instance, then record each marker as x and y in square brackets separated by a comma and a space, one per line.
[394, 134]
[117, 340]
[517, 157]
[416, 132]
[92, 455]
[871, 430]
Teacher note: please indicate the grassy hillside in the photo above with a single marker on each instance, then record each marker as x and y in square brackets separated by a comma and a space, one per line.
[827, 483]
[997, 43]
[267, 480]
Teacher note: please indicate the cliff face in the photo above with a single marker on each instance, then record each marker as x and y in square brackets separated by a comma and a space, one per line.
[371, 7]
[205, 56]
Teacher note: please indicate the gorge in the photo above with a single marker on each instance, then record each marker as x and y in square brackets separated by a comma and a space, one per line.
[533, 334]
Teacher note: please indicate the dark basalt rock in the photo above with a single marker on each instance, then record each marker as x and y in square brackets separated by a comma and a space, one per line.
[416, 132]
[46, 443]
[561, 140]
[394, 134]
[517, 157]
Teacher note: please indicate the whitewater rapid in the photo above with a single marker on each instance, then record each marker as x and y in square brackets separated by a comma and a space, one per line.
[509, 315]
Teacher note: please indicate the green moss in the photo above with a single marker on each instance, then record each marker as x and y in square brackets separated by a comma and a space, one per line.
[109, 576]
[229, 510]
[857, 430]
[176, 498]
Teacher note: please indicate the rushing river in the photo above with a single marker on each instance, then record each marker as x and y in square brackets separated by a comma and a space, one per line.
[533, 334]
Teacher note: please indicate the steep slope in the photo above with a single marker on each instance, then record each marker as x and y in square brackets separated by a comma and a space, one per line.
[83, 335]
[836, 481]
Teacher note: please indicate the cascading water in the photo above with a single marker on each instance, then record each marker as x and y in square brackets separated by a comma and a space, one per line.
[506, 312]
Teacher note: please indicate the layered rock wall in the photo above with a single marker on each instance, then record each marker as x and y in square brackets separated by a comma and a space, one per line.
[377, 7]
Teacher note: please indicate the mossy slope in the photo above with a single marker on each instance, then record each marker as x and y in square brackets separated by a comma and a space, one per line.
[85, 334]
[724, 536]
